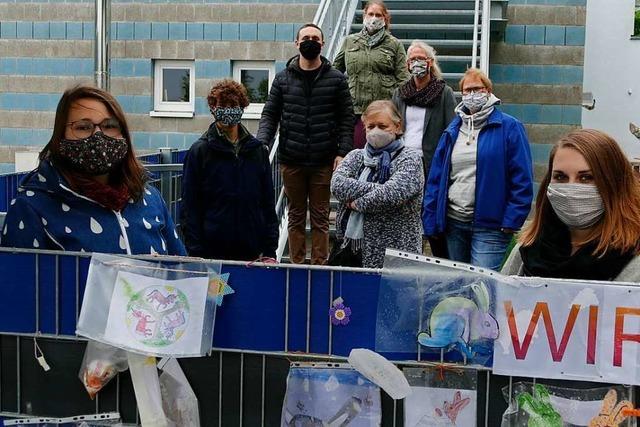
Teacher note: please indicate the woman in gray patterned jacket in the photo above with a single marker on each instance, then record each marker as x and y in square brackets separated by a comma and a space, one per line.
[380, 190]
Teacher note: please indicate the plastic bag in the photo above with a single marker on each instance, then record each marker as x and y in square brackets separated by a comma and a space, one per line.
[178, 399]
[161, 308]
[441, 395]
[146, 384]
[538, 405]
[100, 364]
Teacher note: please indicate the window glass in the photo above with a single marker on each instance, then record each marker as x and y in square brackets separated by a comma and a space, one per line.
[257, 84]
[175, 85]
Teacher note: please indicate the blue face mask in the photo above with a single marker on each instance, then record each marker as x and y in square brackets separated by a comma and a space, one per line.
[228, 116]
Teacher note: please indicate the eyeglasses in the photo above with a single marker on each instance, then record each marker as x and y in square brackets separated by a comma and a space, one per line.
[85, 128]
[474, 89]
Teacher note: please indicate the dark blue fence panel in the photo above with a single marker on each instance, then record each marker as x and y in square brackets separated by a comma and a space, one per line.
[18, 293]
[47, 290]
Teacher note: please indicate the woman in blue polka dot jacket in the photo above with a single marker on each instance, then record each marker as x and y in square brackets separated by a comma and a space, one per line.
[89, 192]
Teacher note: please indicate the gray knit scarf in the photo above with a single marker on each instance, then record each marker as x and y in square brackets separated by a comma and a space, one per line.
[372, 39]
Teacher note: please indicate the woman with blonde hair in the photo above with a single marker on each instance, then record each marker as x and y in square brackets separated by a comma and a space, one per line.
[587, 219]
[427, 106]
[480, 186]
[374, 62]
[380, 190]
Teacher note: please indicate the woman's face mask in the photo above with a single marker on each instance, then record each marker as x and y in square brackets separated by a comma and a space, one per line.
[97, 154]
[577, 205]
[228, 116]
[380, 138]
[419, 67]
[475, 101]
[373, 24]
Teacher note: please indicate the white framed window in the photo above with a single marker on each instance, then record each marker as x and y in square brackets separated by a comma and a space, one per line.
[174, 84]
[257, 77]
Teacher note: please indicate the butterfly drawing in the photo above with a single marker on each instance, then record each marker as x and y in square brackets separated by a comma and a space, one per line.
[451, 410]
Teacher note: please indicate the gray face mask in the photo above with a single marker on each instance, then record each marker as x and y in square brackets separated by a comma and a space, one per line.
[577, 205]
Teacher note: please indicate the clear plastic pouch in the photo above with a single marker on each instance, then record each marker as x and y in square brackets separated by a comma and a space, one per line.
[330, 395]
[441, 396]
[435, 310]
[100, 364]
[538, 405]
[161, 308]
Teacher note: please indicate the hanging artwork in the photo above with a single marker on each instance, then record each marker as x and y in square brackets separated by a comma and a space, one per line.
[332, 397]
[435, 311]
[147, 314]
[538, 405]
[441, 397]
[158, 309]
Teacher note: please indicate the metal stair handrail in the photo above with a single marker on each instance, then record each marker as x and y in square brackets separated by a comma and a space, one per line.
[334, 17]
[484, 25]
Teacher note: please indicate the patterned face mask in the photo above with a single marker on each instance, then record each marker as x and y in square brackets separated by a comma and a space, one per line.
[95, 155]
[419, 68]
[228, 116]
[373, 24]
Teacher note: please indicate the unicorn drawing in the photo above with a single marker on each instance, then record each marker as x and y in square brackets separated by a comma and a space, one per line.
[143, 321]
[158, 297]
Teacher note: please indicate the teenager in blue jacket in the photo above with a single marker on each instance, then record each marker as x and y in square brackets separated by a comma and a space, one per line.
[480, 187]
[228, 209]
[89, 192]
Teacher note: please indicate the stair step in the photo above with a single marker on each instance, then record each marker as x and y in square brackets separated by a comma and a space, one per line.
[443, 42]
[425, 27]
[426, 12]
[427, 4]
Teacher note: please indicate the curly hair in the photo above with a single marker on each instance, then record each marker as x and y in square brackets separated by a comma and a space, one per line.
[228, 93]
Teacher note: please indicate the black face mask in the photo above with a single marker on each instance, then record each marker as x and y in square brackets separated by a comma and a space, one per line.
[95, 155]
[310, 49]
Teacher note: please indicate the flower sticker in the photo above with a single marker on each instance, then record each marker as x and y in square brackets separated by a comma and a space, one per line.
[339, 313]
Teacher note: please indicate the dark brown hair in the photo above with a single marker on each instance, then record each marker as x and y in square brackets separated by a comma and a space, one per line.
[312, 25]
[385, 11]
[131, 173]
[228, 92]
[612, 174]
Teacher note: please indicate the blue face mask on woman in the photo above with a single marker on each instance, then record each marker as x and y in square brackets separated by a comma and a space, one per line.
[228, 116]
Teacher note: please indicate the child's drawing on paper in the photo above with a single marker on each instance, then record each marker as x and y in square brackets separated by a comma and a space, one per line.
[318, 397]
[158, 315]
[457, 322]
[430, 406]
[612, 413]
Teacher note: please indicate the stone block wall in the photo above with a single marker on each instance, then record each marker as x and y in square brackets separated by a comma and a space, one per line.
[47, 47]
[537, 70]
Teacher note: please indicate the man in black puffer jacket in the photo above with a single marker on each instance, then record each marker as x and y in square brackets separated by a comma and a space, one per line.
[310, 100]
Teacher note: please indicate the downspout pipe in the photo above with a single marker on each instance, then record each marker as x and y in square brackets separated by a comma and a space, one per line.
[102, 54]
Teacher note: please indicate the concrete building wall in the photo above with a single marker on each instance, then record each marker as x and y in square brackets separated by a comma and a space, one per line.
[47, 47]
[611, 70]
[537, 70]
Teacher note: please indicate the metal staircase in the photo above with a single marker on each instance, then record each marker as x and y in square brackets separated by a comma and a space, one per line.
[447, 25]
[455, 28]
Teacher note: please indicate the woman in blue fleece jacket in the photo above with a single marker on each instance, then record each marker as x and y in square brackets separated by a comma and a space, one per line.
[480, 185]
[89, 192]
[228, 209]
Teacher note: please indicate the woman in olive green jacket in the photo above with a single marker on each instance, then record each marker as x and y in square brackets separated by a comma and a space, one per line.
[374, 61]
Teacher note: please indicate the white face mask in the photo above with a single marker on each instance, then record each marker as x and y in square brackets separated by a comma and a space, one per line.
[577, 205]
[373, 24]
[378, 138]
[475, 101]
